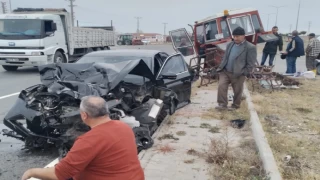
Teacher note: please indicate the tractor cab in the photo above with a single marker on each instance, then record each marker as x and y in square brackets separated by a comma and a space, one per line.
[125, 39]
[212, 35]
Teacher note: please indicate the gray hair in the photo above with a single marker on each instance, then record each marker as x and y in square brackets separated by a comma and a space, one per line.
[94, 106]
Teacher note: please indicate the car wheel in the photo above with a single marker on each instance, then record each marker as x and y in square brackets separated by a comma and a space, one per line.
[318, 69]
[59, 57]
[10, 68]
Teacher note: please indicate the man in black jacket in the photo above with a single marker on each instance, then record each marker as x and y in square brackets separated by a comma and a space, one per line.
[270, 49]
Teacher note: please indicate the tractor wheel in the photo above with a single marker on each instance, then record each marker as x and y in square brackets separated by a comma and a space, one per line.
[128, 43]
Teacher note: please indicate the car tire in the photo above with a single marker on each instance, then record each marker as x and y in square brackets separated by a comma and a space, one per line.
[10, 68]
[59, 58]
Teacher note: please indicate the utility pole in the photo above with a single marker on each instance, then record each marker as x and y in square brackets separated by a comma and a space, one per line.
[72, 12]
[309, 26]
[298, 16]
[10, 6]
[4, 7]
[277, 12]
[268, 20]
[164, 31]
[138, 24]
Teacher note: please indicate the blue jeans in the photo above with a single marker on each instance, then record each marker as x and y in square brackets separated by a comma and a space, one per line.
[265, 56]
[291, 64]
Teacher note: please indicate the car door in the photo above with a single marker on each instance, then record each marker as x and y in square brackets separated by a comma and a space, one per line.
[182, 44]
[175, 65]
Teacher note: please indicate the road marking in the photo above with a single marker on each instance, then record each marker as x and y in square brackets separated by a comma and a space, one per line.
[14, 94]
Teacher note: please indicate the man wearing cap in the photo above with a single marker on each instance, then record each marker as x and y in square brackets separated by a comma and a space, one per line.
[294, 50]
[238, 61]
[312, 52]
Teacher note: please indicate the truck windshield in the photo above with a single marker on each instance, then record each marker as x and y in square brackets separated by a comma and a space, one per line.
[20, 28]
[244, 22]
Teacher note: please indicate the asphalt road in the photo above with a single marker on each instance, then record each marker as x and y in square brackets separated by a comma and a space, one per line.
[13, 160]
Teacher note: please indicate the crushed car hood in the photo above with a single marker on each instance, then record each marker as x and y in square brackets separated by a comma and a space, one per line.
[83, 79]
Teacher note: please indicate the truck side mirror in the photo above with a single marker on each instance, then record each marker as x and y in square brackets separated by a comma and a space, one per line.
[53, 26]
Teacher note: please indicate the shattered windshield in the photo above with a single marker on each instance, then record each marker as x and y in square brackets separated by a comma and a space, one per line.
[20, 28]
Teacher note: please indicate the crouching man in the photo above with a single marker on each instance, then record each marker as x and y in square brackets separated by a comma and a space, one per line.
[238, 61]
[107, 151]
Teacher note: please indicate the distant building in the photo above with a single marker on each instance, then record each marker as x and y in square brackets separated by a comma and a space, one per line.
[151, 37]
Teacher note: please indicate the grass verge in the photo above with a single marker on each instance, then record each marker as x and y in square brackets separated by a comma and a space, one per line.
[291, 120]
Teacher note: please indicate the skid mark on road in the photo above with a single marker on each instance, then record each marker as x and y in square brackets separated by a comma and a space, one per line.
[14, 94]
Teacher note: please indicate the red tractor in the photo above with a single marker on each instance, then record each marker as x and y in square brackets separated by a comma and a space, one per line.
[204, 52]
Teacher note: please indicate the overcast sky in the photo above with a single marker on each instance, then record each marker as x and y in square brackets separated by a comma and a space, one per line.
[179, 13]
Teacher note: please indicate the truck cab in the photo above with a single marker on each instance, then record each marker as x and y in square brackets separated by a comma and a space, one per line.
[28, 39]
[212, 34]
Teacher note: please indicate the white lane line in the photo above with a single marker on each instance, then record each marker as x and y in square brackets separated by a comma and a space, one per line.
[14, 94]
[54, 162]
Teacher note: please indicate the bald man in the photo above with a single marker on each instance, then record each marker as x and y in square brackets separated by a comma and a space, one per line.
[107, 151]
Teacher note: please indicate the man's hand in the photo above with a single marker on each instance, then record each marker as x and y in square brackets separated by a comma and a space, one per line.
[27, 175]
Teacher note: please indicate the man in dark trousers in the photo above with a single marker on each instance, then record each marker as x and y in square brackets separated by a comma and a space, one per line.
[270, 48]
[238, 61]
[312, 52]
[294, 50]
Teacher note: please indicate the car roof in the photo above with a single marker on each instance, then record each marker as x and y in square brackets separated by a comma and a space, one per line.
[125, 52]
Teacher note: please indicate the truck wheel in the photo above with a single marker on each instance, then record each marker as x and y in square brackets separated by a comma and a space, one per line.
[106, 48]
[59, 58]
[128, 43]
[10, 68]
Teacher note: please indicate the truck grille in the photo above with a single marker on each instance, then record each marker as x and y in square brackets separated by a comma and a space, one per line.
[12, 53]
[18, 59]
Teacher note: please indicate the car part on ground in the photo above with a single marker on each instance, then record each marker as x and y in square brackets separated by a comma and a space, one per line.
[51, 110]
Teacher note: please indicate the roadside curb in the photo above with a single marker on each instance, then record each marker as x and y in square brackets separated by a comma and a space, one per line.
[154, 136]
[265, 152]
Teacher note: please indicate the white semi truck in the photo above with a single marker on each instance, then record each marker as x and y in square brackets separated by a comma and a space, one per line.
[33, 37]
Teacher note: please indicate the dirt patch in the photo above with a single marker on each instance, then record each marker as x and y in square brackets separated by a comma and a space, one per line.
[291, 120]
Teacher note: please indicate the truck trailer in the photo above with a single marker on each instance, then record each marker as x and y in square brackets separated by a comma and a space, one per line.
[33, 37]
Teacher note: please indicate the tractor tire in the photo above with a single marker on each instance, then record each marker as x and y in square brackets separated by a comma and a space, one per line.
[119, 43]
[10, 68]
[59, 58]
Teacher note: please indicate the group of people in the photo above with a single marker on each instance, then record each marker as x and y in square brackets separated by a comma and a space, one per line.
[294, 49]
[241, 57]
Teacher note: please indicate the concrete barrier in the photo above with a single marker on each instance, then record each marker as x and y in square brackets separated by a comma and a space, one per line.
[265, 152]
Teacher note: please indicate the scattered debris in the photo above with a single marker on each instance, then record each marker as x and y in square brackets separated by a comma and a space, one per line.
[168, 136]
[287, 158]
[238, 123]
[304, 110]
[192, 126]
[181, 133]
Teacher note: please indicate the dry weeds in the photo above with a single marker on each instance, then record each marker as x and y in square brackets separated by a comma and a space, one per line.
[165, 149]
[291, 120]
[234, 163]
[181, 133]
[168, 136]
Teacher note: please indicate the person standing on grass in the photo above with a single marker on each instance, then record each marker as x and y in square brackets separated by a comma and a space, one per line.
[270, 48]
[239, 60]
[312, 52]
[294, 50]
[107, 151]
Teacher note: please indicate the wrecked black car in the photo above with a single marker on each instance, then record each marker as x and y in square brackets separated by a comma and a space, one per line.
[48, 114]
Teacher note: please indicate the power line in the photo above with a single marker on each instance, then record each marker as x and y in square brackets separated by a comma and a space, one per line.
[72, 12]
[138, 24]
